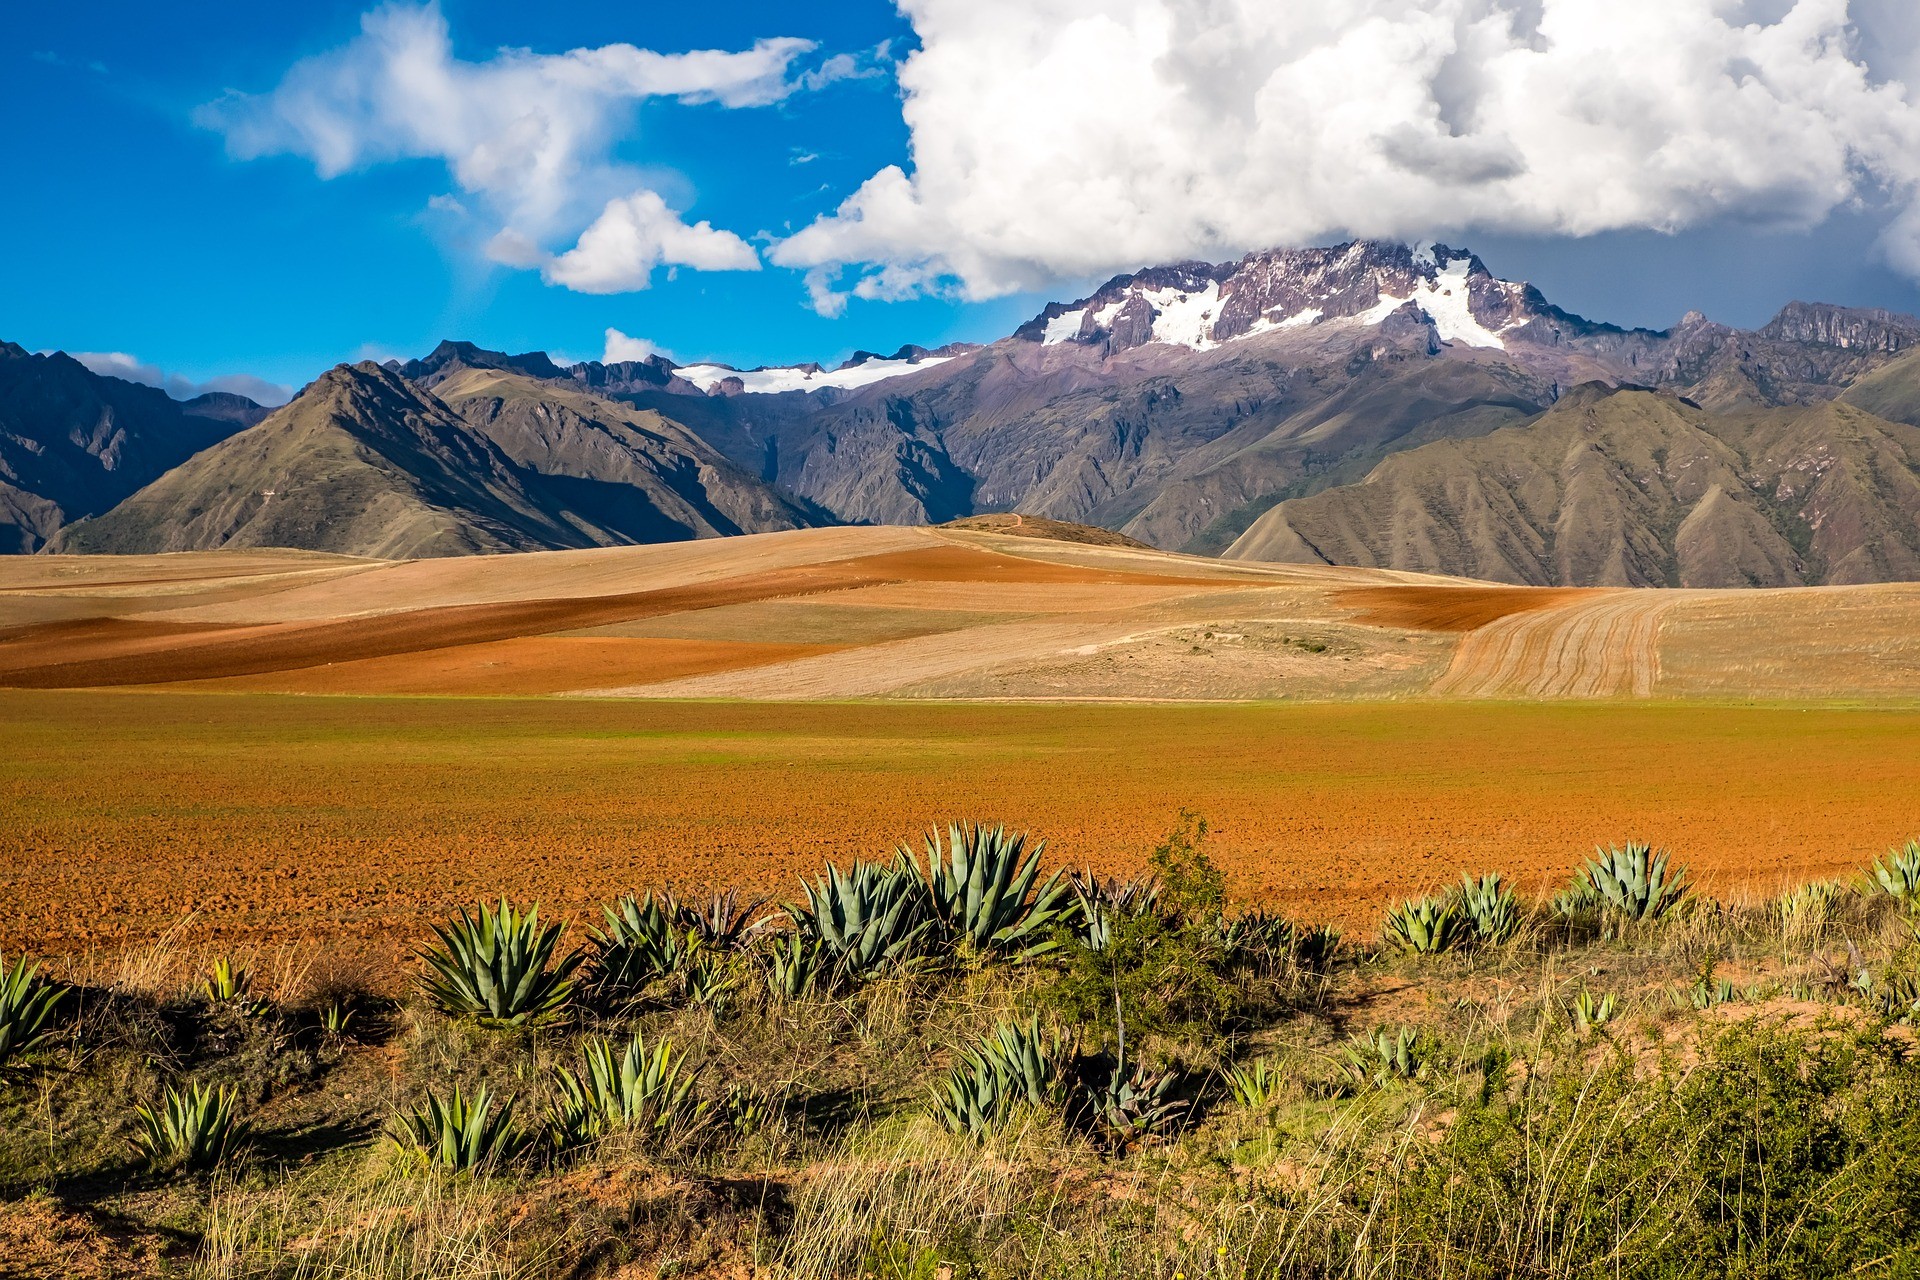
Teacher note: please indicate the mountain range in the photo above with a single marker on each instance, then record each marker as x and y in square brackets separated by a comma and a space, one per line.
[1372, 404]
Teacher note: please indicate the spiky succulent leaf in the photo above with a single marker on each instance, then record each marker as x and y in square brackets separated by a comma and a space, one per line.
[498, 967]
[980, 890]
[1425, 926]
[195, 1128]
[27, 1003]
[643, 1090]
[1492, 911]
[869, 920]
[1898, 874]
[1632, 883]
[459, 1132]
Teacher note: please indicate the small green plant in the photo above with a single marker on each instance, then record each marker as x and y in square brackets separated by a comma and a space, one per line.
[648, 1091]
[869, 920]
[1631, 884]
[1255, 1085]
[1192, 888]
[1013, 1065]
[1491, 911]
[1590, 1014]
[27, 1003]
[229, 986]
[1425, 926]
[1808, 907]
[1898, 874]
[458, 1132]
[1380, 1057]
[793, 965]
[1132, 1103]
[979, 886]
[498, 967]
[1101, 902]
[644, 942]
[338, 1019]
[1257, 940]
[721, 921]
[194, 1128]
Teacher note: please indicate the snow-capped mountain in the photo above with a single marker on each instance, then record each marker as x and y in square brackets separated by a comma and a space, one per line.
[1201, 306]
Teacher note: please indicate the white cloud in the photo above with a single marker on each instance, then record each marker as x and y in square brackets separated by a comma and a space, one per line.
[1055, 139]
[531, 134]
[118, 364]
[633, 236]
[621, 348]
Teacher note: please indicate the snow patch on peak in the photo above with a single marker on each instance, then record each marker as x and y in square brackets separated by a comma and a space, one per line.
[1064, 327]
[805, 377]
[1446, 302]
[1185, 318]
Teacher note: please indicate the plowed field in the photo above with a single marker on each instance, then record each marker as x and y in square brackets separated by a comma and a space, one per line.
[278, 817]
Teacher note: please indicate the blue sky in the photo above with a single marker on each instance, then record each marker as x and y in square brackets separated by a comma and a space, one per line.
[133, 228]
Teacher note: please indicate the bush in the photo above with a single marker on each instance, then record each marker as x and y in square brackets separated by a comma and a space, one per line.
[457, 1132]
[1424, 926]
[1629, 884]
[495, 968]
[1013, 1065]
[1898, 874]
[195, 1129]
[868, 921]
[27, 1004]
[644, 1091]
[980, 891]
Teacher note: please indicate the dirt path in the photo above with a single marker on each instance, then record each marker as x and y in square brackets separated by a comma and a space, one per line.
[1600, 645]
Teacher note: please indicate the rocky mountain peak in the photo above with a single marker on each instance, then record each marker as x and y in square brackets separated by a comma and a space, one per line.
[1201, 305]
[1850, 328]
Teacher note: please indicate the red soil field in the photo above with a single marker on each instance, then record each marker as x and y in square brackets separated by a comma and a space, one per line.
[274, 818]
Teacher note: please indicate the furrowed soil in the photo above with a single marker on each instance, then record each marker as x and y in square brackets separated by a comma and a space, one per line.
[274, 817]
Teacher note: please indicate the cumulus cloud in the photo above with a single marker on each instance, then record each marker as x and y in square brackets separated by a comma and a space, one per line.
[119, 364]
[531, 135]
[631, 237]
[1054, 139]
[621, 348]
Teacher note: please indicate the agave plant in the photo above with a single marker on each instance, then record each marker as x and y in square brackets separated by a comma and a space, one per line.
[195, 1128]
[1425, 926]
[642, 943]
[1809, 906]
[720, 922]
[868, 920]
[1898, 874]
[794, 964]
[1630, 883]
[1014, 1064]
[229, 986]
[1134, 1103]
[1257, 940]
[458, 1132]
[1100, 902]
[1895, 996]
[980, 889]
[645, 1090]
[498, 967]
[1590, 1014]
[1315, 948]
[1256, 1084]
[1491, 910]
[1381, 1057]
[27, 1002]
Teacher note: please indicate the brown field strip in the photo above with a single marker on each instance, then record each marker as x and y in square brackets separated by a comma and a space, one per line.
[1451, 608]
[107, 653]
[287, 817]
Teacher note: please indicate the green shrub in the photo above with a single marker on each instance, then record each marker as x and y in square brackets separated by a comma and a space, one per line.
[1491, 911]
[643, 943]
[1380, 1057]
[195, 1128]
[722, 921]
[1425, 926]
[458, 1132]
[1898, 874]
[1164, 973]
[1013, 1065]
[1099, 902]
[231, 987]
[27, 1004]
[869, 920]
[1191, 887]
[1255, 1085]
[794, 964]
[980, 891]
[498, 968]
[1631, 884]
[1130, 1102]
[644, 1091]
